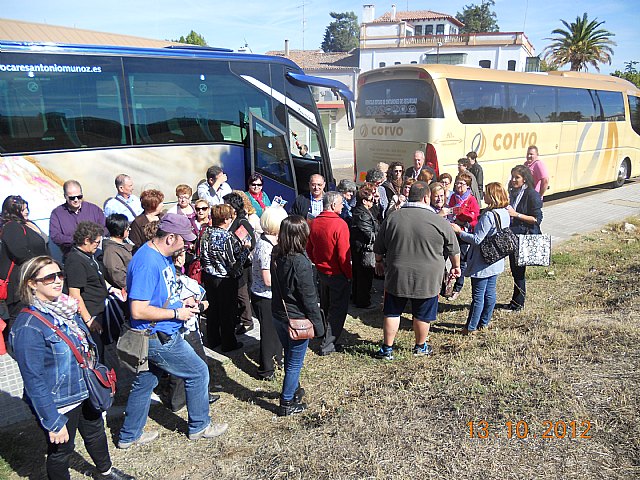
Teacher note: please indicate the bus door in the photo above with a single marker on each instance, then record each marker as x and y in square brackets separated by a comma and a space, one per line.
[563, 174]
[306, 152]
[270, 157]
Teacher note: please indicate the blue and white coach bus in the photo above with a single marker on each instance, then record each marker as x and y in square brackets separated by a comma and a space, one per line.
[163, 116]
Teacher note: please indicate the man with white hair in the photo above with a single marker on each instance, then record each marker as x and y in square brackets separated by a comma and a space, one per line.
[125, 202]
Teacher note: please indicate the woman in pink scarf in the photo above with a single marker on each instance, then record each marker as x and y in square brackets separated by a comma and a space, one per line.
[258, 198]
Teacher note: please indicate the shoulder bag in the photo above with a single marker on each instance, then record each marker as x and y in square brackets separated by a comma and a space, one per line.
[499, 245]
[100, 381]
[299, 328]
[534, 250]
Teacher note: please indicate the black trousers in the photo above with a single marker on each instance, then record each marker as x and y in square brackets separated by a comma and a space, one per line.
[519, 283]
[90, 424]
[244, 302]
[177, 397]
[270, 346]
[222, 313]
[334, 302]
[362, 281]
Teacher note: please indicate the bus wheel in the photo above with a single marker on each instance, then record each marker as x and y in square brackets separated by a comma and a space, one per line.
[623, 174]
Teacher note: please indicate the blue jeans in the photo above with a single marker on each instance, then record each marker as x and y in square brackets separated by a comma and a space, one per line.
[483, 301]
[294, 352]
[177, 358]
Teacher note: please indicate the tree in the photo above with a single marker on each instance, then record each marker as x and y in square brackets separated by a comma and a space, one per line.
[583, 43]
[630, 73]
[342, 34]
[192, 39]
[478, 18]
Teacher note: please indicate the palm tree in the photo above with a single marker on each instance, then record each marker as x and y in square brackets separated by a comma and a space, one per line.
[583, 43]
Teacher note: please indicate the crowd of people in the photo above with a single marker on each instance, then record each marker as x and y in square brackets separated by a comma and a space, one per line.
[234, 254]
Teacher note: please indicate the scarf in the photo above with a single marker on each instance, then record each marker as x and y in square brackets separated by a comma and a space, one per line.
[258, 198]
[459, 199]
[64, 310]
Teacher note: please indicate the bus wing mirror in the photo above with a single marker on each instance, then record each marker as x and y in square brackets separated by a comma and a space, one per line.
[335, 86]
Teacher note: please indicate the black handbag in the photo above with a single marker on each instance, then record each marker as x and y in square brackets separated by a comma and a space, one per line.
[499, 245]
[100, 380]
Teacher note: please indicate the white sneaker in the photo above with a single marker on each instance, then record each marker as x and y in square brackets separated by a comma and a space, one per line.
[213, 430]
[146, 437]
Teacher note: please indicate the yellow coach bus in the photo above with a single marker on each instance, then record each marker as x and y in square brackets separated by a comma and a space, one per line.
[586, 126]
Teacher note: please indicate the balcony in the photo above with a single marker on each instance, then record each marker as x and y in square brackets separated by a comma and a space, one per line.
[458, 40]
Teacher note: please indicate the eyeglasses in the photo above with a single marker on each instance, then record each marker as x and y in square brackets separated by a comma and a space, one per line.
[397, 171]
[49, 279]
[256, 184]
[202, 209]
[75, 197]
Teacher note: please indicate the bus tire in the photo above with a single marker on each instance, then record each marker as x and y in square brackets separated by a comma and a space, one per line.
[622, 175]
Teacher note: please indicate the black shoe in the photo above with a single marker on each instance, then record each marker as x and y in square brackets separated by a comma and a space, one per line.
[237, 346]
[213, 398]
[297, 397]
[244, 329]
[290, 407]
[116, 474]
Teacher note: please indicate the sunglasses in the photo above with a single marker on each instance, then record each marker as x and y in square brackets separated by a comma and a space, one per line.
[202, 209]
[49, 279]
[75, 197]
[256, 184]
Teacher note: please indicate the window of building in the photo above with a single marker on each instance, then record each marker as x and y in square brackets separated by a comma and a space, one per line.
[418, 30]
[446, 58]
[440, 29]
[485, 63]
[382, 64]
[414, 62]
[428, 29]
[511, 65]
[396, 63]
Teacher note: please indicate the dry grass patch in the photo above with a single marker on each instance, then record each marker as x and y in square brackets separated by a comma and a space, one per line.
[571, 355]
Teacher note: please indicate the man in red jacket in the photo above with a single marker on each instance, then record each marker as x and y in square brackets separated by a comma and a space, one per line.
[328, 248]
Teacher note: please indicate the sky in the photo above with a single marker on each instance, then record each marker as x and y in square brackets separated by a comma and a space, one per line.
[264, 25]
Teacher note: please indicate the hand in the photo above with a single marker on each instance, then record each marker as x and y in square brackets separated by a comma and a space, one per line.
[205, 305]
[185, 313]
[512, 212]
[455, 272]
[379, 268]
[59, 437]
[94, 325]
[445, 211]
[456, 228]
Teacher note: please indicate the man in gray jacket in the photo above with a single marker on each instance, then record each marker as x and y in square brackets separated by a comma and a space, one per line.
[411, 248]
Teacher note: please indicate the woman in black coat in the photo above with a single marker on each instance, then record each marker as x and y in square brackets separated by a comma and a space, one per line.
[364, 228]
[525, 210]
[22, 240]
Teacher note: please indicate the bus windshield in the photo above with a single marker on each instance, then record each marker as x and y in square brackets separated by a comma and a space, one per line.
[398, 99]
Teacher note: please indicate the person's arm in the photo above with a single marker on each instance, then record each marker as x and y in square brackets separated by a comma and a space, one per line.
[485, 223]
[142, 310]
[544, 184]
[306, 293]
[344, 251]
[117, 268]
[29, 351]
[203, 193]
[13, 239]
[56, 232]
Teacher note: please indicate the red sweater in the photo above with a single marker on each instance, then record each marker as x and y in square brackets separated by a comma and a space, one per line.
[328, 245]
[469, 209]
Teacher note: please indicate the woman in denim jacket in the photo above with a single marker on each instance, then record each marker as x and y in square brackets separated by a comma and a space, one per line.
[54, 386]
[484, 276]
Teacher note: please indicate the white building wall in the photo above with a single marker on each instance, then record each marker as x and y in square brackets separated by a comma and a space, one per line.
[498, 55]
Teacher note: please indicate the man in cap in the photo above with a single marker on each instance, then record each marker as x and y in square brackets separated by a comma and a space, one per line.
[156, 308]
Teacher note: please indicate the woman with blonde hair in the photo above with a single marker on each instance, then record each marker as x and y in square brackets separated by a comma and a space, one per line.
[270, 346]
[54, 385]
[484, 276]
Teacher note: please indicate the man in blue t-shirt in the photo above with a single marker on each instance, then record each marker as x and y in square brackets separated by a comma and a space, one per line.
[156, 309]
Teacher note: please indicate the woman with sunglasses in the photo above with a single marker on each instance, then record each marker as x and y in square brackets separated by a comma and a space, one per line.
[258, 198]
[54, 387]
[22, 240]
[203, 214]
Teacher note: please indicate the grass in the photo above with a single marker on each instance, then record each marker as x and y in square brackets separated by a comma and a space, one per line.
[572, 354]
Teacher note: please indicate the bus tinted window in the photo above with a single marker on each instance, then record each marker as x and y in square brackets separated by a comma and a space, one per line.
[612, 106]
[191, 102]
[398, 99]
[480, 102]
[54, 102]
[531, 103]
[634, 113]
[576, 105]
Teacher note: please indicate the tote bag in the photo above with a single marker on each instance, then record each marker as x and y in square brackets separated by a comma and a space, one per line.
[534, 250]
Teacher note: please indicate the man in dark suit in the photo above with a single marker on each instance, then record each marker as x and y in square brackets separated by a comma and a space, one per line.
[418, 165]
[309, 205]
